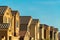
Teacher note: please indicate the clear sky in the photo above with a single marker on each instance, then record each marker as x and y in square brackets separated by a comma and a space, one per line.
[47, 11]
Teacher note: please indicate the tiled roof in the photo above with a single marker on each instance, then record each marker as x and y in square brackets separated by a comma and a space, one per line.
[51, 28]
[44, 25]
[4, 26]
[3, 9]
[35, 21]
[14, 12]
[55, 29]
[24, 19]
[41, 26]
[22, 33]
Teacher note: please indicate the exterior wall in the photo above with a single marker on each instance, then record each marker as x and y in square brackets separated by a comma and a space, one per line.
[37, 30]
[32, 33]
[41, 33]
[48, 34]
[9, 33]
[28, 27]
[13, 25]
[17, 22]
[15, 38]
[56, 35]
[26, 36]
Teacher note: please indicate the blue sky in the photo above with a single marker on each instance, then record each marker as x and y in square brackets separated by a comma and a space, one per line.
[47, 11]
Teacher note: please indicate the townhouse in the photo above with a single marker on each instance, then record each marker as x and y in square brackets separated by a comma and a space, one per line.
[34, 29]
[16, 27]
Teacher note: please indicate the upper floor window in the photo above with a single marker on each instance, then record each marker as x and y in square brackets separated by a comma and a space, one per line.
[5, 20]
[17, 24]
[9, 21]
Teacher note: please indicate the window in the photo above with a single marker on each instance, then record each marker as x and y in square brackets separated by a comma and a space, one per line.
[5, 20]
[16, 23]
[9, 21]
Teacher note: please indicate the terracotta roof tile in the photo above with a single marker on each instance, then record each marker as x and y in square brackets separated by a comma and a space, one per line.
[44, 25]
[3, 9]
[55, 29]
[25, 19]
[35, 21]
[4, 26]
[14, 12]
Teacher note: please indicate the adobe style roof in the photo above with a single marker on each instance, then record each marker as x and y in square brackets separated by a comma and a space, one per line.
[4, 26]
[35, 21]
[22, 33]
[25, 19]
[14, 12]
[3, 9]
